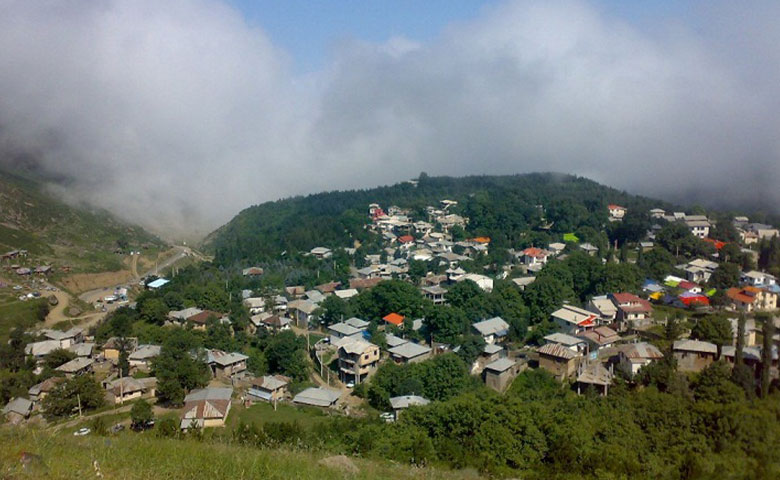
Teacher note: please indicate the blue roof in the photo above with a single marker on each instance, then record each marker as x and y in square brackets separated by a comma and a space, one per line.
[158, 283]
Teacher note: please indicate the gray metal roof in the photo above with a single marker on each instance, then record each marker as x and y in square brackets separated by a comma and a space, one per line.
[318, 396]
[407, 401]
[501, 365]
[211, 393]
[409, 350]
[492, 326]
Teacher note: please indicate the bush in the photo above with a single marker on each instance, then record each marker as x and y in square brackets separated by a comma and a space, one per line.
[168, 427]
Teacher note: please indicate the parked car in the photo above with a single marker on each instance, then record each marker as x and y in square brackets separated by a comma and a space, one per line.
[117, 428]
[388, 417]
[81, 432]
[350, 384]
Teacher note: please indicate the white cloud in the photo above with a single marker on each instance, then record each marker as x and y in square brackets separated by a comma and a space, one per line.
[178, 114]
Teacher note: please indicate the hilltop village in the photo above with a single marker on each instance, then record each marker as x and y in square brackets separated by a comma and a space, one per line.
[422, 316]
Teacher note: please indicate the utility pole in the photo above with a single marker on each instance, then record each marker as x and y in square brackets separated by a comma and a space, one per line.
[78, 398]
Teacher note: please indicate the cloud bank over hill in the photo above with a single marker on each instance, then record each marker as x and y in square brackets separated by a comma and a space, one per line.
[179, 114]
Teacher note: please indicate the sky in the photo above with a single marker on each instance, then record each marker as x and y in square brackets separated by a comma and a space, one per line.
[179, 114]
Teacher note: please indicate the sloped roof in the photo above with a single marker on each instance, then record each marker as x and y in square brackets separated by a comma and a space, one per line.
[575, 315]
[407, 401]
[564, 339]
[343, 328]
[394, 318]
[595, 374]
[695, 346]
[144, 352]
[271, 382]
[75, 365]
[409, 350]
[19, 405]
[500, 365]
[318, 397]
[557, 351]
[492, 326]
[642, 351]
[601, 335]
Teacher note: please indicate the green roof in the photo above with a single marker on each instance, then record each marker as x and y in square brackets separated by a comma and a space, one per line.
[570, 237]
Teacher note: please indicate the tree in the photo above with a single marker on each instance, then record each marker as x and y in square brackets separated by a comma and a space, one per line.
[334, 310]
[176, 369]
[154, 311]
[725, 276]
[657, 263]
[470, 348]
[64, 399]
[714, 329]
[445, 323]
[58, 357]
[286, 353]
[141, 414]
[766, 354]
[544, 296]
[12, 356]
[714, 385]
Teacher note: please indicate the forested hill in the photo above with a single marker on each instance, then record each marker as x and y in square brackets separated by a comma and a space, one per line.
[505, 208]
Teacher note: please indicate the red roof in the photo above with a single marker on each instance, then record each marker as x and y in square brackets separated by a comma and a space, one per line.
[394, 318]
[405, 239]
[481, 239]
[628, 302]
[718, 244]
[743, 295]
[695, 300]
[535, 252]
[686, 285]
[612, 206]
[202, 317]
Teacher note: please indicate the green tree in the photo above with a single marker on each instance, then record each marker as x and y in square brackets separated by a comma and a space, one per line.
[64, 399]
[713, 328]
[445, 323]
[58, 357]
[286, 353]
[154, 311]
[141, 414]
[334, 310]
[725, 276]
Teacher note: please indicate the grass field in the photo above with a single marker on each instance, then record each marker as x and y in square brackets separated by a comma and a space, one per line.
[15, 312]
[264, 412]
[134, 456]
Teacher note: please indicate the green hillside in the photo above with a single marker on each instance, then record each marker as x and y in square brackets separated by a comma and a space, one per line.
[132, 456]
[502, 207]
[60, 234]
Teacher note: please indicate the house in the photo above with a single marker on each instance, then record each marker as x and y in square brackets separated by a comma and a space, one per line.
[200, 320]
[321, 252]
[483, 282]
[490, 353]
[758, 279]
[409, 352]
[254, 304]
[113, 347]
[207, 407]
[394, 319]
[596, 376]
[751, 356]
[604, 308]
[295, 291]
[142, 356]
[492, 330]
[435, 294]
[301, 311]
[406, 401]
[698, 270]
[252, 272]
[699, 225]
[270, 388]
[357, 359]
[67, 338]
[39, 391]
[693, 300]
[657, 213]
[181, 316]
[17, 410]
[272, 323]
[750, 299]
[226, 365]
[761, 230]
[556, 248]
[534, 257]
[157, 284]
[358, 323]
[40, 349]
[346, 293]
[573, 320]
[634, 356]
[75, 367]
[589, 248]
[499, 374]
[750, 331]
[599, 337]
[694, 355]
[341, 330]
[121, 390]
[575, 344]
[318, 397]
[632, 311]
[523, 282]
[616, 212]
[558, 360]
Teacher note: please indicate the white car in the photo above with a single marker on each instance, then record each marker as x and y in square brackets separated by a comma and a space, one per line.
[81, 432]
[350, 384]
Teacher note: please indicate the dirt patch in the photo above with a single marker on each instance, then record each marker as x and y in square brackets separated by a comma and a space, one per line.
[341, 463]
[83, 282]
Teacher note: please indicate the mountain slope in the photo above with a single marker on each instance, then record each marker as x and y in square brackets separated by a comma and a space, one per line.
[502, 207]
[54, 232]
